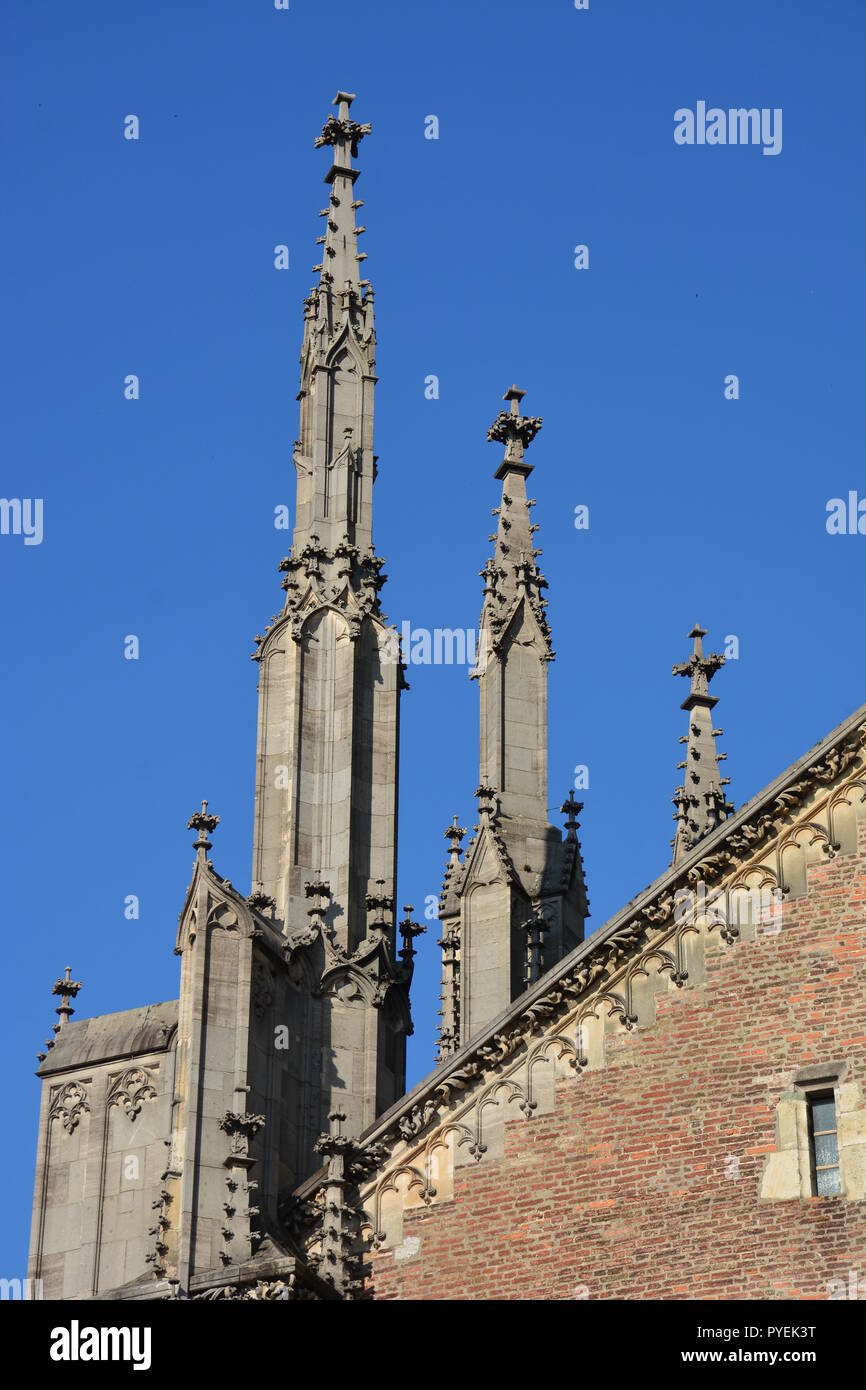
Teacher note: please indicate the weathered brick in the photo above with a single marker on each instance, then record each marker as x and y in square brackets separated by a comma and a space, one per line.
[625, 1189]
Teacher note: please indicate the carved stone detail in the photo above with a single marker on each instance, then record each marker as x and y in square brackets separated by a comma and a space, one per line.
[288, 1290]
[241, 1129]
[69, 1104]
[130, 1089]
[262, 988]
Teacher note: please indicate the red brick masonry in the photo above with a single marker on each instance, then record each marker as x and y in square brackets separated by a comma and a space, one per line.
[644, 1181]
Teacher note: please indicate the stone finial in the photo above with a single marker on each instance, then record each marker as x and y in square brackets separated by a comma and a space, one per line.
[571, 809]
[515, 431]
[67, 989]
[319, 893]
[259, 900]
[338, 298]
[512, 573]
[487, 806]
[700, 669]
[205, 825]
[700, 803]
[454, 833]
[379, 904]
[335, 1144]
[341, 131]
[408, 931]
[336, 1119]
[489, 574]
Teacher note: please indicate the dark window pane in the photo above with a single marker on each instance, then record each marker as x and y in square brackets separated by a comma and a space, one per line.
[826, 1150]
[823, 1114]
[829, 1184]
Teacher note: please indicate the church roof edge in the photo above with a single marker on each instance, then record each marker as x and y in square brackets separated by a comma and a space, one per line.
[107, 1037]
[673, 876]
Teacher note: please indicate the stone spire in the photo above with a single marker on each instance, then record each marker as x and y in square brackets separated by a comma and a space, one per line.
[334, 452]
[514, 630]
[330, 678]
[700, 801]
[340, 256]
[527, 903]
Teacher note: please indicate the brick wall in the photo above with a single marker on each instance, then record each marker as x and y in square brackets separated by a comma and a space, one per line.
[645, 1179]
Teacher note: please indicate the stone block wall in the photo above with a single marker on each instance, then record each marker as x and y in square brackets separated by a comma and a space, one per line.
[100, 1175]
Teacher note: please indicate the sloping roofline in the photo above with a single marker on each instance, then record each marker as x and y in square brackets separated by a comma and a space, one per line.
[674, 876]
[109, 1037]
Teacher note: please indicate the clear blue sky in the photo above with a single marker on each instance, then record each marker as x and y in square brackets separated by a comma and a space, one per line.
[156, 257]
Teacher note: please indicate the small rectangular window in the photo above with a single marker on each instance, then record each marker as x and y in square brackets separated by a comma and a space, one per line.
[824, 1146]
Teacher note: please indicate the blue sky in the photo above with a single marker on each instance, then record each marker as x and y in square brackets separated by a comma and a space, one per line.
[155, 257]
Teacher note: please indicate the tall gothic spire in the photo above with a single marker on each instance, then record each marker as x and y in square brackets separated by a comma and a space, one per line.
[700, 801]
[516, 902]
[333, 455]
[329, 695]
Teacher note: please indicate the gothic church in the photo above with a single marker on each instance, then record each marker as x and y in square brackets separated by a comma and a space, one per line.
[673, 1107]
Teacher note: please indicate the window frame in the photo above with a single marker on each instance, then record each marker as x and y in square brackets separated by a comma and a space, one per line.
[813, 1095]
